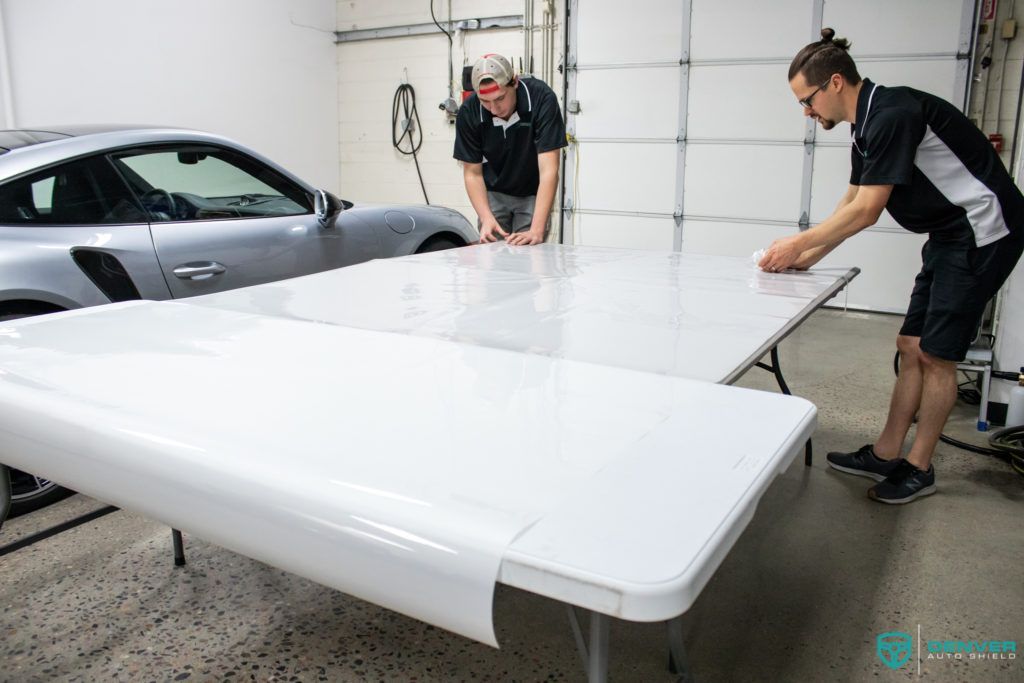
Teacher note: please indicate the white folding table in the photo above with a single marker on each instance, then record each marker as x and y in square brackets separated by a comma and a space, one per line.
[415, 455]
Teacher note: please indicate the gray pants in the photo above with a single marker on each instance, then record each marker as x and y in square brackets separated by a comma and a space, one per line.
[514, 214]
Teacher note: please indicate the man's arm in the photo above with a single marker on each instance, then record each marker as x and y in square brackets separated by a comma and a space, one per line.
[859, 209]
[812, 256]
[547, 165]
[473, 176]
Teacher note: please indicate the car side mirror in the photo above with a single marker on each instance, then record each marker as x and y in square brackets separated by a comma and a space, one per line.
[326, 207]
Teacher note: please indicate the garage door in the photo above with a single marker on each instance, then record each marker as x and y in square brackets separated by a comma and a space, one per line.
[687, 136]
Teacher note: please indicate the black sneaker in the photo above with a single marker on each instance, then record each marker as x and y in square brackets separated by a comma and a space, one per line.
[904, 484]
[862, 462]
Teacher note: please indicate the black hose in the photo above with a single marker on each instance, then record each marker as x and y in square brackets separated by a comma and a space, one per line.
[1010, 441]
[406, 97]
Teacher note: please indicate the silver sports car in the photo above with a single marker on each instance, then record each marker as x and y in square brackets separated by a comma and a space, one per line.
[91, 215]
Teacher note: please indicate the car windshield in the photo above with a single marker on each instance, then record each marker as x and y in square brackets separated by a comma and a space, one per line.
[189, 183]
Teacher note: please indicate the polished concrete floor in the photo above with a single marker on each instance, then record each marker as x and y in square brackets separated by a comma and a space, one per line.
[818, 574]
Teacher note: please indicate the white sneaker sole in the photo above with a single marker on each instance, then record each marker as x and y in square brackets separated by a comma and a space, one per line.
[926, 491]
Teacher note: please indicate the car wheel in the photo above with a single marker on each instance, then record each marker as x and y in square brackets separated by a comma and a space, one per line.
[438, 244]
[29, 492]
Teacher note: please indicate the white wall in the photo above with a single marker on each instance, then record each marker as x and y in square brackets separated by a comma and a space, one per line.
[263, 72]
[370, 71]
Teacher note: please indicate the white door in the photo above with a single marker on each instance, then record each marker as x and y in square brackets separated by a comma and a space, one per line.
[688, 137]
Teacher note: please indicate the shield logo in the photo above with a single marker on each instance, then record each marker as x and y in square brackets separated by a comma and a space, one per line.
[894, 648]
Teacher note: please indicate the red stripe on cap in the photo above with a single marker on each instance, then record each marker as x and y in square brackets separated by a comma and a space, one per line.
[488, 89]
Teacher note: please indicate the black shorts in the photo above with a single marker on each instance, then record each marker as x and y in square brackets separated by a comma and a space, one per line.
[952, 289]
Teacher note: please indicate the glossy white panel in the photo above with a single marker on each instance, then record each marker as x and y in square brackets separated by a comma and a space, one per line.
[743, 181]
[747, 29]
[905, 27]
[679, 314]
[605, 28]
[627, 232]
[626, 177]
[612, 103]
[719, 104]
[722, 238]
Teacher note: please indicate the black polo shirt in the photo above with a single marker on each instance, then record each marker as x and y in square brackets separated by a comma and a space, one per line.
[947, 179]
[508, 149]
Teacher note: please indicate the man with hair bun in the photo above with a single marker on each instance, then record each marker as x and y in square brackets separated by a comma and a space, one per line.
[919, 157]
[508, 136]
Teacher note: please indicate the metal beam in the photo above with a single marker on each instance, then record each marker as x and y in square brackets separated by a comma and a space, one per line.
[681, 134]
[506, 21]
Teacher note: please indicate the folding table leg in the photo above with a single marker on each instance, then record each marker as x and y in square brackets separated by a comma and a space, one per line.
[776, 369]
[597, 666]
[179, 548]
[595, 653]
[677, 660]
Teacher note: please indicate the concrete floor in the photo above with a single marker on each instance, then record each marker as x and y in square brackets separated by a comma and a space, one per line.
[820, 571]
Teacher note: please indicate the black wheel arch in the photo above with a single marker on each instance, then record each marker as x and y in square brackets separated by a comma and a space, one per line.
[441, 240]
[23, 308]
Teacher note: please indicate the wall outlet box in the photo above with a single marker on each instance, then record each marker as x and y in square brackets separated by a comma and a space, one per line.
[1009, 29]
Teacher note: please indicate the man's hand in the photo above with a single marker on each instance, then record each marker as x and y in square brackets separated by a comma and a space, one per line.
[490, 229]
[526, 237]
[781, 255]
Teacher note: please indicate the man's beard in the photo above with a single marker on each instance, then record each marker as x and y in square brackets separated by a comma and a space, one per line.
[826, 124]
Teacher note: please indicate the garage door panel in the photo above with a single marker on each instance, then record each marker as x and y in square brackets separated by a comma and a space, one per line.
[830, 180]
[724, 238]
[748, 30]
[903, 29]
[720, 95]
[603, 26]
[888, 262]
[743, 181]
[627, 177]
[628, 232]
[611, 103]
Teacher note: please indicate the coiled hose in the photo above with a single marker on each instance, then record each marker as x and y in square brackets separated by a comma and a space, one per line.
[1009, 441]
[405, 96]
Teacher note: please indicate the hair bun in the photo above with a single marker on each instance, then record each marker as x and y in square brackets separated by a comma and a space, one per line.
[827, 35]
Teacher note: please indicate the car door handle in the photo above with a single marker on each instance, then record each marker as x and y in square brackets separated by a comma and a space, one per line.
[199, 271]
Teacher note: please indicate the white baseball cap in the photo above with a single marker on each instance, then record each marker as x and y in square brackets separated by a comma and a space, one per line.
[494, 67]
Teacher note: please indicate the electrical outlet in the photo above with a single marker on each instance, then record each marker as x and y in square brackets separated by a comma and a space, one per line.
[1009, 29]
[408, 126]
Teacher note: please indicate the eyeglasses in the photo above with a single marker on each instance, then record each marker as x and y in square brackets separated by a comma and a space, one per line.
[806, 102]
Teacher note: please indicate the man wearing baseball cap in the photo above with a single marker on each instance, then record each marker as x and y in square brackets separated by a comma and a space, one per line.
[508, 135]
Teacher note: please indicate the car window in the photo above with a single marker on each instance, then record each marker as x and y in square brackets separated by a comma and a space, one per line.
[187, 183]
[81, 192]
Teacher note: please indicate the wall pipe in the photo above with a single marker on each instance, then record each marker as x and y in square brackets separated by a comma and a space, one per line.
[5, 74]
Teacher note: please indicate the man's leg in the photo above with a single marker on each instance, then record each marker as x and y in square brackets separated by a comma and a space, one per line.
[937, 399]
[905, 401]
[522, 217]
[502, 207]
[914, 477]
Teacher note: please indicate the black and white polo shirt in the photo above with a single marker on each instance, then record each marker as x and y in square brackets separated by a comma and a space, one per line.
[947, 179]
[508, 148]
